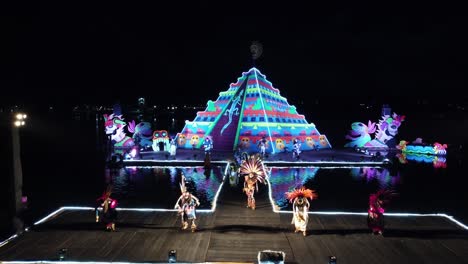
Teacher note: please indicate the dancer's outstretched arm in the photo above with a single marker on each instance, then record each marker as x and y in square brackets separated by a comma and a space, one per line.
[196, 200]
[176, 206]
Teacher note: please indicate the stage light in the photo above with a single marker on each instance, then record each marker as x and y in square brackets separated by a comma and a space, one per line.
[172, 257]
[331, 260]
[62, 253]
[270, 257]
[133, 153]
[21, 116]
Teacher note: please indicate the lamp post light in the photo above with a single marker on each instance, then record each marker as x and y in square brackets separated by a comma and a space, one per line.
[19, 121]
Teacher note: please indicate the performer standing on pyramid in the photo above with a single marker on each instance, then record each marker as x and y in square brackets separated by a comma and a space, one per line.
[296, 149]
[299, 199]
[254, 172]
[208, 147]
[262, 144]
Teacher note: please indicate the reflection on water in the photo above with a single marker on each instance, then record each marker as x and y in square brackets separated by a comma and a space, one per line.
[437, 161]
[283, 180]
[158, 187]
[335, 187]
[381, 175]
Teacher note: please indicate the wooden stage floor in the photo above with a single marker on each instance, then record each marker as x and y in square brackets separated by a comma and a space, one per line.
[234, 233]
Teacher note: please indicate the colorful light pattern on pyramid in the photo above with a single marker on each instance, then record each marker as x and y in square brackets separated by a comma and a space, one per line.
[248, 111]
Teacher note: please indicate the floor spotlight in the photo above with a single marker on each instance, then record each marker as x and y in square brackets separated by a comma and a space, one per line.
[271, 257]
[172, 257]
[331, 260]
[62, 253]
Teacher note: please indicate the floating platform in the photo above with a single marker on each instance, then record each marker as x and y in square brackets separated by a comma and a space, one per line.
[233, 233]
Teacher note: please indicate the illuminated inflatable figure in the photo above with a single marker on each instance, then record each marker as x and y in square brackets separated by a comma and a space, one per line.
[387, 129]
[360, 134]
[115, 128]
[142, 134]
[436, 149]
[161, 140]
[384, 138]
[422, 152]
[438, 161]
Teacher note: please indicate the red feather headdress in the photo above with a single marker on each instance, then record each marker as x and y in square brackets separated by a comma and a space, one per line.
[384, 195]
[302, 192]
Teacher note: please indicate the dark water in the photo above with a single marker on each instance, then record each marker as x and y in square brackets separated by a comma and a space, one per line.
[64, 164]
[158, 187]
[421, 188]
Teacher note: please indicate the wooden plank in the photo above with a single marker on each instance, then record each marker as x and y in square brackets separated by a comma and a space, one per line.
[236, 233]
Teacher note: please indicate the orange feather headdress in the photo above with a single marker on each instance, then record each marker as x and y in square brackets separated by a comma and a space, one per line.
[301, 192]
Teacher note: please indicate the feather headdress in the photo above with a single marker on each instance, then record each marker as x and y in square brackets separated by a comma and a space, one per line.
[384, 195]
[107, 193]
[254, 168]
[301, 192]
[182, 186]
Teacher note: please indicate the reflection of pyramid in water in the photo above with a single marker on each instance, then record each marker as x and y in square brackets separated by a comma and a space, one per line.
[249, 110]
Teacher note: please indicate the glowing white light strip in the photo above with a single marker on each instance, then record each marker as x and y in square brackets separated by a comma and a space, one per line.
[449, 217]
[168, 161]
[325, 167]
[215, 200]
[49, 216]
[346, 164]
[318, 163]
[264, 111]
[8, 240]
[156, 166]
[272, 201]
[73, 262]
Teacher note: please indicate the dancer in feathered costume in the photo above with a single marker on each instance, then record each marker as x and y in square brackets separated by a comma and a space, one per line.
[254, 172]
[109, 211]
[186, 204]
[299, 199]
[375, 213]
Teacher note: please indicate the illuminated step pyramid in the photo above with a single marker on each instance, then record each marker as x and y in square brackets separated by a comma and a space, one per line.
[248, 111]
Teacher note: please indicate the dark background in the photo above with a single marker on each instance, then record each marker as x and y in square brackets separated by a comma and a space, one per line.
[101, 52]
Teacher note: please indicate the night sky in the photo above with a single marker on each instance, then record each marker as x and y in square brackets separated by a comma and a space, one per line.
[103, 52]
